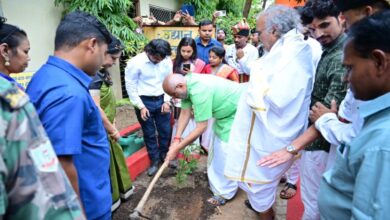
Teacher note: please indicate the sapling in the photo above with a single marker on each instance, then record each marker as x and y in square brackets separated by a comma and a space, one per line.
[188, 163]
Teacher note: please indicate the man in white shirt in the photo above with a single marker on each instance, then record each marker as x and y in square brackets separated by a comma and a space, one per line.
[240, 54]
[255, 40]
[274, 109]
[144, 76]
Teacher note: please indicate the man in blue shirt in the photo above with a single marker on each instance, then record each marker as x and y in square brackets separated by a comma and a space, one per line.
[59, 91]
[205, 41]
[357, 185]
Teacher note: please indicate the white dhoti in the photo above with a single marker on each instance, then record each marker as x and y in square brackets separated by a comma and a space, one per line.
[313, 165]
[219, 184]
[270, 115]
[208, 134]
[246, 148]
[260, 183]
[260, 196]
[292, 174]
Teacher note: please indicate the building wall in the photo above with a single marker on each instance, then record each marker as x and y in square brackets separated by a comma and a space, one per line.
[39, 18]
[172, 5]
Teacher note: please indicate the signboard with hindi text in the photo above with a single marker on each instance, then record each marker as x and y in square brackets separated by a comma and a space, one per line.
[172, 34]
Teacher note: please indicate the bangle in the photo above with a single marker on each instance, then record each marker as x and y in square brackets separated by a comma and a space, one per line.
[177, 138]
[114, 134]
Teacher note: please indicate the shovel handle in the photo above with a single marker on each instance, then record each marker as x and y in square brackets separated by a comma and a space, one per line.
[150, 187]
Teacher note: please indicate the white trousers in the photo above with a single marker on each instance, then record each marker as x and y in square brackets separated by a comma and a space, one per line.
[219, 184]
[313, 165]
[292, 173]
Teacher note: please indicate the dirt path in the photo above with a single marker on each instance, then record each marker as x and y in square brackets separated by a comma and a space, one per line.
[125, 116]
[188, 202]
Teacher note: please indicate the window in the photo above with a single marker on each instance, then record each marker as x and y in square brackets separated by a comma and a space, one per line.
[161, 14]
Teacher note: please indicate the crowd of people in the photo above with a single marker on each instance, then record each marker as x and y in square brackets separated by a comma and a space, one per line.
[303, 95]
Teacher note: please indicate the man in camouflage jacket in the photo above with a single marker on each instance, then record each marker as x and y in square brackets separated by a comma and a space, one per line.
[33, 185]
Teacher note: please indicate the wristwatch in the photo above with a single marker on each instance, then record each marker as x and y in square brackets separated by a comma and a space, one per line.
[291, 149]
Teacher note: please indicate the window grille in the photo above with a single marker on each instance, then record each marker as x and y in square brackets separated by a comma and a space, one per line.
[161, 14]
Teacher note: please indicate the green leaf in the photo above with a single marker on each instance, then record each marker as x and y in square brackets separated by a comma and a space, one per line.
[113, 13]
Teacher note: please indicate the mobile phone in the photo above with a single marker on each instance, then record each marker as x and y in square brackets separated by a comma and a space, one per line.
[183, 12]
[186, 66]
[221, 13]
[144, 16]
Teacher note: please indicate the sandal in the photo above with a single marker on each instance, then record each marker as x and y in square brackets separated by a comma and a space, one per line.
[284, 194]
[217, 201]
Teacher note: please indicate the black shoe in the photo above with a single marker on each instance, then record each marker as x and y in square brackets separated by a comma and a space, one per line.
[153, 168]
[162, 157]
[249, 206]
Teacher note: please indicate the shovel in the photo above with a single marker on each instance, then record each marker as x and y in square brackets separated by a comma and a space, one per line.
[137, 213]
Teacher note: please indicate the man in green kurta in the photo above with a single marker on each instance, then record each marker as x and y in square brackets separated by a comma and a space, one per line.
[208, 97]
[102, 93]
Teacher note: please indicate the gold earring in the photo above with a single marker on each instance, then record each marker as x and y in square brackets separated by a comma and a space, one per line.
[6, 63]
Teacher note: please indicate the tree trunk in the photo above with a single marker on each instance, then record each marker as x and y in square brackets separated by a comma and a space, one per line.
[247, 8]
[264, 5]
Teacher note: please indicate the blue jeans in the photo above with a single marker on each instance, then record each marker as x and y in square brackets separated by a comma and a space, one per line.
[156, 144]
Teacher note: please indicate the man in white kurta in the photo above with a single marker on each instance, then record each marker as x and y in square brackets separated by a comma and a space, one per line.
[274, 109]
[240, 54]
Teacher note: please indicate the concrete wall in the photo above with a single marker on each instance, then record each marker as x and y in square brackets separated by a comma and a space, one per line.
[172, 5]
[39, 18]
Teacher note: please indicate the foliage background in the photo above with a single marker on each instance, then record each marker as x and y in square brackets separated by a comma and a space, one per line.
[234, 10]
[113, 13]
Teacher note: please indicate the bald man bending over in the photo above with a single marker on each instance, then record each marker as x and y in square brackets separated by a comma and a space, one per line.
[209, 97]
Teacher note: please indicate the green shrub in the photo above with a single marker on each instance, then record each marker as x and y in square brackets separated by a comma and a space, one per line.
[113, 13]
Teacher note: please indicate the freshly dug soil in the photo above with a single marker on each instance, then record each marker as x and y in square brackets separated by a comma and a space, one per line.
[170, 201]
[167, 200]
